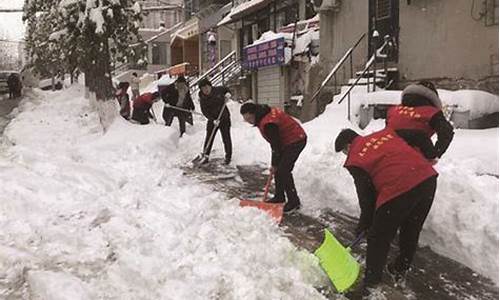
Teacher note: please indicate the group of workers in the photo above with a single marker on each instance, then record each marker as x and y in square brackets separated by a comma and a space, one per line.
[392, 168]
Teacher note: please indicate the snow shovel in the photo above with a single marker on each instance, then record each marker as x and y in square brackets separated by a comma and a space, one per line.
[184, 110]
[337, 261]
[202, 155]
[275, 210]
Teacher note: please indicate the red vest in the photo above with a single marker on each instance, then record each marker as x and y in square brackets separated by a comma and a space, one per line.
[290, 130]
[405, 117]
[394, 167]
[144, 101]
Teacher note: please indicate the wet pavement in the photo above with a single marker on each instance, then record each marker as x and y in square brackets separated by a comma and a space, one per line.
[433, 277]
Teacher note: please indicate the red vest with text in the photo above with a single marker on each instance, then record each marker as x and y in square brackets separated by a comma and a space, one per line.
[144, 101]
[394, 167]
[290, 130]
[406, 117]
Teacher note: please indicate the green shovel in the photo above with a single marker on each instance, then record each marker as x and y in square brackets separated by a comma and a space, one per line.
[337, 261]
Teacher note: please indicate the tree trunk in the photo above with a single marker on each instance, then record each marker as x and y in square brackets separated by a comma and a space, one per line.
[103, 87]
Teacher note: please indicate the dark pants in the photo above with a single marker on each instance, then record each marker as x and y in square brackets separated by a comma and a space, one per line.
[225, 131]
[407, 213]
[141, 115]
[283, 177]
[169, 114]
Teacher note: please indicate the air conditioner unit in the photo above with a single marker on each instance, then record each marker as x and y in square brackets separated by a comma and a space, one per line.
[322, 5]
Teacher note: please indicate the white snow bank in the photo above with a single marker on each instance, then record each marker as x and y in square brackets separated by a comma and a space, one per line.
[113, 217]
[45, 285]
[479, 103]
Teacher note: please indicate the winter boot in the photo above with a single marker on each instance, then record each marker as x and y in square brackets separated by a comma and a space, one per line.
[291, 207]
[227, 160]
[204, 160]
[276, 199]
[398, 277]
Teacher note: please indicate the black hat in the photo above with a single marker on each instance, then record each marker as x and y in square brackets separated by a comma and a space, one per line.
[204, 82]
[345, 137]
[429, 85]
[248, 107]
[181, 79]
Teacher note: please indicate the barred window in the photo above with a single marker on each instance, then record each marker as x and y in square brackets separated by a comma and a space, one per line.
[383, 9]
[491, 13]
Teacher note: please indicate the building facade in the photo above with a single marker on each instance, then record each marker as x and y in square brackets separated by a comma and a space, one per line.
[454, 43]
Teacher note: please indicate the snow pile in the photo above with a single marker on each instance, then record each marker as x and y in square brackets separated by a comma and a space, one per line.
[478, 103]
[92, 216]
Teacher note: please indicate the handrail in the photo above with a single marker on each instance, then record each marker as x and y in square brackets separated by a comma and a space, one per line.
[337, 67]
[367, 67]
[212, 69]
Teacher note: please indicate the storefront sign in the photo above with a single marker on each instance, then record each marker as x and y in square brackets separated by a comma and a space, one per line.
[270, 53]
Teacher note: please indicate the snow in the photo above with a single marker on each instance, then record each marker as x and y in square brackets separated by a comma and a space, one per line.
[239, 8]
[97, 17]
[111, 216]
[137, 8]
[66, 3]
[479, 103]
[58, 34]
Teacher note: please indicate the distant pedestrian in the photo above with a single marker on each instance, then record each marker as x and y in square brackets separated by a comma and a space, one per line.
[123, 99]
[142, 105]
[135, 83]
[213, 106]
[287, 139]
[14, 86]
[177, 95]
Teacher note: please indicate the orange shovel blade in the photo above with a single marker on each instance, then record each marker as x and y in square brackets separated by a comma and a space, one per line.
[275, 210]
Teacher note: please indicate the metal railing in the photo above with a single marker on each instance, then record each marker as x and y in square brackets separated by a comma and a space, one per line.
[369, 64]
[336, 68]
[224, 71]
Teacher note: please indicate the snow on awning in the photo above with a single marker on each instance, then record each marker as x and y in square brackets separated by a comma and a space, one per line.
[242, 10]
[189, 30]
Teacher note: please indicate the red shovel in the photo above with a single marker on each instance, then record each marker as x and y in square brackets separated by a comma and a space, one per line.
[275, 210]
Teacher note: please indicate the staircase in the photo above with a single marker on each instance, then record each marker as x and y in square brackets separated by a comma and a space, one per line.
[226, 70]
[371, 77]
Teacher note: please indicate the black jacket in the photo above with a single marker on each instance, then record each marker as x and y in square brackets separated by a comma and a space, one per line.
[367, 197]
[443, 128]
[272, 132]
[212, 104]
[171, 96]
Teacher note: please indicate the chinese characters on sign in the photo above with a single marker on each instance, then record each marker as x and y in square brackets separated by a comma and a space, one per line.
[270, 53]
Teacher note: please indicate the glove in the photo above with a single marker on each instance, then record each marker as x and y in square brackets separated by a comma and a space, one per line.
[228, 96]
[167, 105]
[216, 123]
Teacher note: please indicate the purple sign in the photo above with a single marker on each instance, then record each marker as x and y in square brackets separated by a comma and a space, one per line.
[270, 53]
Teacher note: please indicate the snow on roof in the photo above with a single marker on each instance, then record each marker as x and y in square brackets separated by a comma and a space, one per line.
[239, 9]
[301, 43]
[271, 35]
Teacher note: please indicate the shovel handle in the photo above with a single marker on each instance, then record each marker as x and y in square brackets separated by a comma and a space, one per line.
[268, 185]
[357, 239]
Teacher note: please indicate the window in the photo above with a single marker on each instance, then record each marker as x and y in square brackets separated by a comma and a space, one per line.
[491, 16]
[383, 9]
[159, 53]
